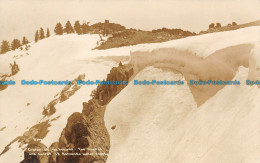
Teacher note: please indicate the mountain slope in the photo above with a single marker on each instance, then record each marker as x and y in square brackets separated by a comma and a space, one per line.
[58, 58]
[167, 124]
[145, 123]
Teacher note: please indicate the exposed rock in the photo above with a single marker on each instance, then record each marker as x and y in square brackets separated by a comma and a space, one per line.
[35, 153]
[65, 94]
[2, 129]
[53, 149]
[85, 138]
[105, 93]
[38, 131]
[129, 37]
[85, 131]
[8, 146]
[3, 86]
[113, 127]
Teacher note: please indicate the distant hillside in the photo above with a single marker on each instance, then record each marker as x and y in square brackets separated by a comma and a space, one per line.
[230, 27]
[133, 37]
[126, 37]
[105, 28]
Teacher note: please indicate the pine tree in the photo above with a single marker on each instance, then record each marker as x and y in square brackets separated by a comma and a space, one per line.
[15, 44]
[85, 27]
[48, 33]
[58, 29]
[5, 46]
[68, 28]
[36, 38]
[212, 25]
[25, 41]
[218, 25]
[77, 27]
[41, 34]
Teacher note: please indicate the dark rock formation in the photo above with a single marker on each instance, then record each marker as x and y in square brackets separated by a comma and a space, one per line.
[85, 138]
[38, 131]
[87, 130]
[35, 153]
[133, 37]
[105, 93]
[65, 94]
[85, 133]
[3, 86]
[53, 149]
[14, 68]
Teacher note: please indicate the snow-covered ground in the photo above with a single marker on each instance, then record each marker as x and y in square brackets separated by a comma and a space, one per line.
[163, 123]
[154, 123]
[56, 58]
[206, 44]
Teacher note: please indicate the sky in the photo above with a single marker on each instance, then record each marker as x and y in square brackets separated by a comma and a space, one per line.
[23, 17]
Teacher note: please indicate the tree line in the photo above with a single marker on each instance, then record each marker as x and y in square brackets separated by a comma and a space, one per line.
[16, 43]
[39, 34]
[78, 28]
[218, 25]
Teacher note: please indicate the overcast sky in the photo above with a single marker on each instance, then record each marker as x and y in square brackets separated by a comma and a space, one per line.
[23, 17]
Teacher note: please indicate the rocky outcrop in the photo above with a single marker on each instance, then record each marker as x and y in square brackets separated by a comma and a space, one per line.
[64, 95]
[130, 37]
[35, 153]
[85, 138]
[31, 137]
[4, 78]
[85, 133]
[3, 86]
[105, 93]
[36, 132]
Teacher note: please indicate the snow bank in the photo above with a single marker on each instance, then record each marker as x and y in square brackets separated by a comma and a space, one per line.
[153, 123]
[143, 115]
[164, 124]
[204, 45]
[201, 46]
[221, 65]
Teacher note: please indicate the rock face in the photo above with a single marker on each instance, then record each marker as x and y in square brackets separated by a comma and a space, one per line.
[34, 157]
[2, 87]
[105, 93]
[85, 133]
[64, 95]
[85, 138]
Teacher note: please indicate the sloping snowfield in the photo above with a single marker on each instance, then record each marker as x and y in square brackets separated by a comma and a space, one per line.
[153, 123]
[57, 58]
[164, 124]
